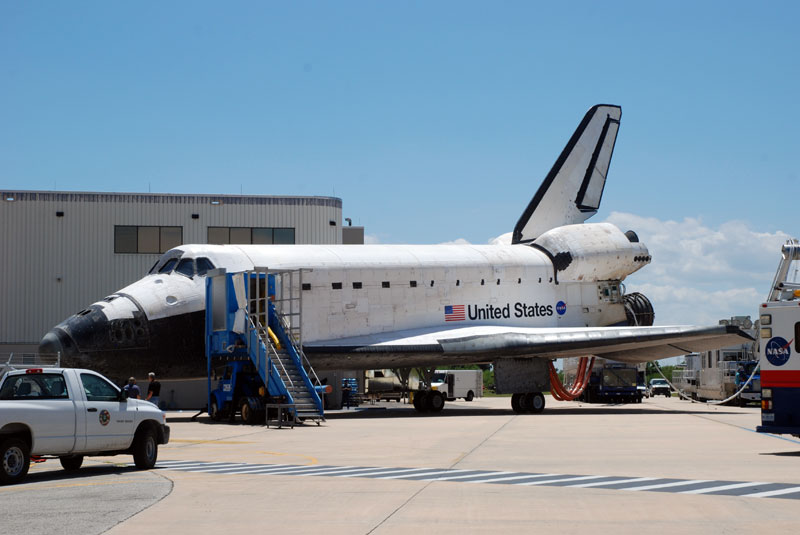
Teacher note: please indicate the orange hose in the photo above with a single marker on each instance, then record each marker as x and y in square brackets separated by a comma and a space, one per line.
[557, 389]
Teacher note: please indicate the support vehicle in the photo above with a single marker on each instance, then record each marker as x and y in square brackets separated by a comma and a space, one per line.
[609, 381]
[454, 384]
[780, 348]
[660, 387]
[69, 414]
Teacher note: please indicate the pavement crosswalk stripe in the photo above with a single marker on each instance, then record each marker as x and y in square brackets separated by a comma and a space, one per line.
[722, 487]
[257, 469]
[668, 485]
[445, 471]
[462, 476]
[511, 478]
[381, 471]
[299, 469]
[768, 493]
[549, 481]
[221, 468]
[320, 469]
[481, 476]
[198, 466]
[614, 482]
[339, 472]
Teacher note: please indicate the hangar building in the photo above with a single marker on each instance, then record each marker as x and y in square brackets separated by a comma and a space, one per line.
[60, 251]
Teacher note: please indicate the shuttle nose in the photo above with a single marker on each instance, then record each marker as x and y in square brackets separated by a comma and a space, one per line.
[56, 342]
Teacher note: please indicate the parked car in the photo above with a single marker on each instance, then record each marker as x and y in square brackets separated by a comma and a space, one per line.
[660, 386]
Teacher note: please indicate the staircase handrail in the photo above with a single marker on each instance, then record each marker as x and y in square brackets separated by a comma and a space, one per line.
[304, 362]
[261, 332]
[295, 352]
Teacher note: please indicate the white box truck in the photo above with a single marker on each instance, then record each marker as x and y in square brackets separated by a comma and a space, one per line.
[467, 384]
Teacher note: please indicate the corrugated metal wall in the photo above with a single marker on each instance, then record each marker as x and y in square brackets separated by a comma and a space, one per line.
[51, 267]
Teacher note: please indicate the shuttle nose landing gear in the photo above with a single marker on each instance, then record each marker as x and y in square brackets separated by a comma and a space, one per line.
[527, 403]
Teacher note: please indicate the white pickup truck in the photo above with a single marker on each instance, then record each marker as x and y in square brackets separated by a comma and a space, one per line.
[69, 413]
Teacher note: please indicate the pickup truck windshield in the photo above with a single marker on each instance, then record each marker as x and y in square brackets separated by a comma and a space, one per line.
[34, 386]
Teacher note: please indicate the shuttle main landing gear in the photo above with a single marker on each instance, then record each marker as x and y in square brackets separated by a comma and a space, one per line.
[428, 401]
[530, 402]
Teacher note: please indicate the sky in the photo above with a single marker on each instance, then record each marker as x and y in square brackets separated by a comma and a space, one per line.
[432, 121]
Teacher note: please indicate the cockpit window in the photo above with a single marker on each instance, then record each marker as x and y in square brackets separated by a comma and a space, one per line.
[167, 268]
[153, 269]
[185, 267]
[204, 265]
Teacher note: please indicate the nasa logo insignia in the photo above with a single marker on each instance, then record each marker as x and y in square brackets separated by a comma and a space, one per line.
[778, 351]
[105, 417]
[561, 308]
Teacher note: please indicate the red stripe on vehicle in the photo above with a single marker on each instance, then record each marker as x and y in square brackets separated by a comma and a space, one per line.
[780, 378]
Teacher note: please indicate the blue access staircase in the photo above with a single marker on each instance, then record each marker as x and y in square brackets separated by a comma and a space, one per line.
[246, 318]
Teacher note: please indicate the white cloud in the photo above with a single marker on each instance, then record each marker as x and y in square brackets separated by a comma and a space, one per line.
[503, 239]
[700, 274]
[457, 241]
[371, 239]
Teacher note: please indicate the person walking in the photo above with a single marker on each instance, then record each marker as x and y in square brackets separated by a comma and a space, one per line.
[153, 389]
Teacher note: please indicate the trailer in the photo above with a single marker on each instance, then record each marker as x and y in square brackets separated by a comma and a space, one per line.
[779, 353]
[466, 384]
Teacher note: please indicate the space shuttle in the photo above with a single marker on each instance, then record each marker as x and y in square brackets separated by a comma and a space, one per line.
[556, 290]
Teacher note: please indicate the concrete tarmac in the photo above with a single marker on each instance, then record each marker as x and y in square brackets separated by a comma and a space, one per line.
[664, 465]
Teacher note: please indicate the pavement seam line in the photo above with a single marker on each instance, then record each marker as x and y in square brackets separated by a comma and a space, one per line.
[429, 483]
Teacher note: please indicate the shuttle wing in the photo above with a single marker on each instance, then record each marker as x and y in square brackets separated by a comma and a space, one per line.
[488, 342]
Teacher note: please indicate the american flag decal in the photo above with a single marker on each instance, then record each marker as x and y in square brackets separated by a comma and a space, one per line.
[454, 313]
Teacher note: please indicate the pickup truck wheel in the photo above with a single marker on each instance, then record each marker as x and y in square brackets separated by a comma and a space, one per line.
[470, 396]
[16, 460]
[145, 449]
[72, 462]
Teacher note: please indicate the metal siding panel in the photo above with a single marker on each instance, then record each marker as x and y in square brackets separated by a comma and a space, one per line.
[36, 247]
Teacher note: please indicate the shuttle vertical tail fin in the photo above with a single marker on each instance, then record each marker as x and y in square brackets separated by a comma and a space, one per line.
[572, 190]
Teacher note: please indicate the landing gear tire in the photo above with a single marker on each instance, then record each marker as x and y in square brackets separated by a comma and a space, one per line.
[71, 463]
[248, 415]
[535, 402]
[420, 400]
[435, 401]
[145, 449]
[15, 459]
[525, 402]
[470, 396]
[515, 403]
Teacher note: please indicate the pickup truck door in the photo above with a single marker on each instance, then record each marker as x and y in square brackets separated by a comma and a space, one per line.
[109, 421]
[42, 401]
